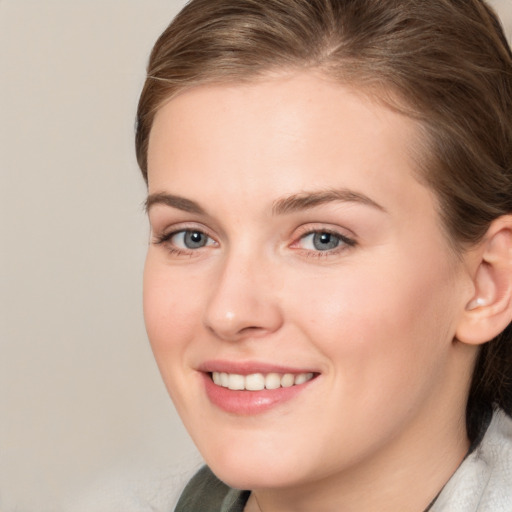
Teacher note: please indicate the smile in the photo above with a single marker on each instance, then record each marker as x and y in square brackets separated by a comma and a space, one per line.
[259, 381]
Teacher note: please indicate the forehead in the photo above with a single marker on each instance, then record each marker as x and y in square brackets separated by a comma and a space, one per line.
[280, 136]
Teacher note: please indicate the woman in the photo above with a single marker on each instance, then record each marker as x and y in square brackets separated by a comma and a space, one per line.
[328, 286]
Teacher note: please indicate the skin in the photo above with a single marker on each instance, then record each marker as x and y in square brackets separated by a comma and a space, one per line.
[382, 425]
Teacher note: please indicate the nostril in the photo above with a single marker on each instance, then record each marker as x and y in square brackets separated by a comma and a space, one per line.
[224, 332]
[252, 330]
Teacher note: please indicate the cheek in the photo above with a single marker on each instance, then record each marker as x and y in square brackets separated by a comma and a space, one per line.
[389, 321]
[169, 313]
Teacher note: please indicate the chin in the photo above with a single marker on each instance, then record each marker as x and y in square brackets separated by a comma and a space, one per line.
[249, 478]
[256, 468]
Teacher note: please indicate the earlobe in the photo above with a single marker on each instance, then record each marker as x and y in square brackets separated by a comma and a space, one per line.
[489, 310]
[478, 302]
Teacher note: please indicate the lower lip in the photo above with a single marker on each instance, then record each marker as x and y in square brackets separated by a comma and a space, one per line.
[248, 403]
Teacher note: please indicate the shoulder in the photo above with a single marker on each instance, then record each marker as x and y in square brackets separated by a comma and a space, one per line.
[206, 493]
[483, 481]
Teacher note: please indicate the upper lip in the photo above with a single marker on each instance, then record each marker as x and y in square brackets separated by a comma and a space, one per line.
[249, 367]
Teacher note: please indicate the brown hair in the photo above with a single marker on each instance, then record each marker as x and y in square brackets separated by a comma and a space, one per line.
[447, 64]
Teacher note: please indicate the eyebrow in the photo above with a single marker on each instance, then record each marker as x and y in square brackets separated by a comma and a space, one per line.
[288, 204]
[307, 200]
[178, 202]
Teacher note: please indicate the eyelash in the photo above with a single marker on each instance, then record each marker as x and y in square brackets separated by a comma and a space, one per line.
[344, 242]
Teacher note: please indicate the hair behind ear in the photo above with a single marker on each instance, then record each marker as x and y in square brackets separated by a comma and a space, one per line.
[491, 384]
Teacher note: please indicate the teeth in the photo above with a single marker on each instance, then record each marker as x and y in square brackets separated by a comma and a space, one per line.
[287, 380]
[272, 381]
[254, 382]
[259, 381]
[236, 382]
[302, 377]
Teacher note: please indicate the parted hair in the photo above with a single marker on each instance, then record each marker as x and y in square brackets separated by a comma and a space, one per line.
[445, 63]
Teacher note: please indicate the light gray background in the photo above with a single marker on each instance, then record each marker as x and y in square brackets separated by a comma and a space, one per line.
[85, 422]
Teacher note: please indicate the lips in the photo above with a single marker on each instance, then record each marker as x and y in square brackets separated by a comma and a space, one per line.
[248, 389]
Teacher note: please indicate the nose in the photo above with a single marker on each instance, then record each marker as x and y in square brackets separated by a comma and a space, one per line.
[243, 302]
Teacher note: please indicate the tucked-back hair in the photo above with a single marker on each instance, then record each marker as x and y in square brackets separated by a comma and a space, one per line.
[446, 63]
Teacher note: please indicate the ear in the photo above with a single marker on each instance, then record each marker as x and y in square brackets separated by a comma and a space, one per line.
[490, 309]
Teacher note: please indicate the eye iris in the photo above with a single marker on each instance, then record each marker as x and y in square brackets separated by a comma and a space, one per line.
[325, 241]
[194, 239]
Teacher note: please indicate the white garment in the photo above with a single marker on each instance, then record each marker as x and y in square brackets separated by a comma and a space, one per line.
[483, 482]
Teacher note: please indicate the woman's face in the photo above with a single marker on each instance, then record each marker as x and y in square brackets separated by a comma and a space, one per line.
[300, 296]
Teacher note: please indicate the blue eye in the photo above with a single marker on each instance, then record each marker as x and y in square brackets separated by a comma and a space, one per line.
[324, 241]
[190, 239]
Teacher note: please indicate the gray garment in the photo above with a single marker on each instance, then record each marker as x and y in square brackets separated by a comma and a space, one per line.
[482, 483]
[206, 493]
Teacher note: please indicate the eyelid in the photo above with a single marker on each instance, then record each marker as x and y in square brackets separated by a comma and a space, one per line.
[343, 233]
